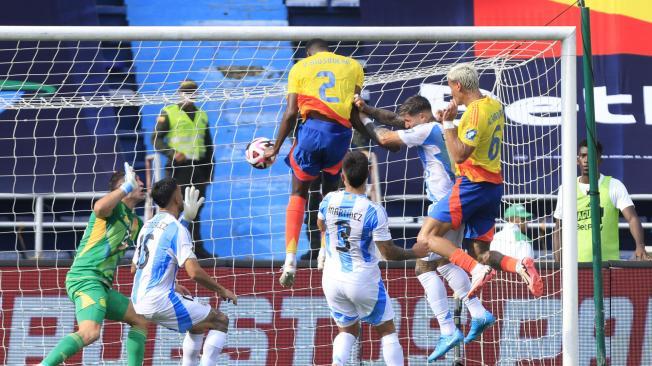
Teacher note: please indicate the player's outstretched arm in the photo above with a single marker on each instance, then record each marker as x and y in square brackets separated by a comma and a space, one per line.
[382, 116]
[387, 138]
[394, 253]
[105, 205]
[288, 122]
[197, 274]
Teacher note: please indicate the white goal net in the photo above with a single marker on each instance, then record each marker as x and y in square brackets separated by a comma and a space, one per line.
[73, 109]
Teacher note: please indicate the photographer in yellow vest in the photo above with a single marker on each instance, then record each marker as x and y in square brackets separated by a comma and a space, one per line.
[613, 198]
[183, 136]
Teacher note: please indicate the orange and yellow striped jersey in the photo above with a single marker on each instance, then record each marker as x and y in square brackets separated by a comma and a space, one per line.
[325, 83]
[482, 127]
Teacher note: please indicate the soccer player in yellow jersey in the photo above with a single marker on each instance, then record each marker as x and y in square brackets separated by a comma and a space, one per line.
[320, 87]
[475, 147]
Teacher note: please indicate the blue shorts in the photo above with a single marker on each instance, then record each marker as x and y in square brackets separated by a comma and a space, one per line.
[319, 146]
[476, 204]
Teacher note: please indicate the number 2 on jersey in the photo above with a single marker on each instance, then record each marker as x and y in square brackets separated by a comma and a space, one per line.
[327, 85]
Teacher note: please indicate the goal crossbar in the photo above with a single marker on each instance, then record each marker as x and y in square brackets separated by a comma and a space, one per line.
[262, 33]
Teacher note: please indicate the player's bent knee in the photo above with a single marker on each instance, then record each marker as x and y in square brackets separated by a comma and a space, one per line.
[483, 257]
[352, 329]
[481, 251]
[421, 267]
[386, 328]
[222, 322]
[89, 331]
[140, 322]
[89, 336]
[135, 320]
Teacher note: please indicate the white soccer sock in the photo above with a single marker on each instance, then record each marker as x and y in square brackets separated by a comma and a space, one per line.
[459, 281]
[191, 347]
[438, 300]
[342, 348]
[213, 347]
[392, 350]
[475, 307]
[478, 269]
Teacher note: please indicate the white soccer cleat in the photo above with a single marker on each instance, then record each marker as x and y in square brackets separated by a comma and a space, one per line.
[479, 277]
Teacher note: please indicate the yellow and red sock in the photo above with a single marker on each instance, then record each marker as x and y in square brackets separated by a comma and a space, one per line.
[463, 260]
[293, 222]
[508, 264]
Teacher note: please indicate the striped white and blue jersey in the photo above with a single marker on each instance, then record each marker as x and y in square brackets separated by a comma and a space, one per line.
[163, 246]
[353, 223]
[437, 171]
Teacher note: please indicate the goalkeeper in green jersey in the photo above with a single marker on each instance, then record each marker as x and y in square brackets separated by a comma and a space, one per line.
[112, 228]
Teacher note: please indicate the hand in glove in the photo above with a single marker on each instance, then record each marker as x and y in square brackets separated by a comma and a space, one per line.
[130, 182]
[191, 203]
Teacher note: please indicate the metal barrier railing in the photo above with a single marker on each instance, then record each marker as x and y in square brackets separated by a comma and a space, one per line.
[153, 173]
[415, 222]
[38, 224]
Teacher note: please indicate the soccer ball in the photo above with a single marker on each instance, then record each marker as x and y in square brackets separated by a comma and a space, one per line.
[255, 153]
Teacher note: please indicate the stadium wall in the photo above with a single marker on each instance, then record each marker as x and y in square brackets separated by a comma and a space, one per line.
[272, 326]
[38, 152]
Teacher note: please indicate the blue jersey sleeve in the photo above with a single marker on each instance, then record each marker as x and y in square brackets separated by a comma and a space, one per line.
[323, 206]
[379, 223]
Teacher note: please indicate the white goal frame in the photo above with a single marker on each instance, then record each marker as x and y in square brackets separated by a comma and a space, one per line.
[566, 35]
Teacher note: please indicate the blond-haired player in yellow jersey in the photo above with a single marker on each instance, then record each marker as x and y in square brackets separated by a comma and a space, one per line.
[320, 87]
[475, 146]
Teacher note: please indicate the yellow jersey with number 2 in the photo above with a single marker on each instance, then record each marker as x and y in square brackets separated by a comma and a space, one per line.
[482, 127]
[325, 83]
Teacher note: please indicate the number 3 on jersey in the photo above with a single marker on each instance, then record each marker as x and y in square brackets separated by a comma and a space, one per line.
[327, 85]
[343, 233]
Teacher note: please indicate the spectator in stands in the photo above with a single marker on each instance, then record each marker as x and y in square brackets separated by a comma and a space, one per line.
[613, 198]
[512, 240]
[182, 134]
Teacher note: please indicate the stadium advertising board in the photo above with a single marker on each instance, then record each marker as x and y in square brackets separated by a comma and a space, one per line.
[621, 53]
[271, 326]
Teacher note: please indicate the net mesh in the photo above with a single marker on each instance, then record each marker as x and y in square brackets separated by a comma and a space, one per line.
[73, 112]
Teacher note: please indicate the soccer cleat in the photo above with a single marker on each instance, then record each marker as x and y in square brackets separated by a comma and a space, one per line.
[480, 278]
[478, 325]
[530, 275]
[287, 279]
[445, 344]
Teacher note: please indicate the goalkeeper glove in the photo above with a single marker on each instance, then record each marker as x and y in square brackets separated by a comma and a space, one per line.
[191, 203]
[130, 182]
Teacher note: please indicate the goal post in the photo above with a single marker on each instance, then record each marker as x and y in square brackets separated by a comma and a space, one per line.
[401, 58]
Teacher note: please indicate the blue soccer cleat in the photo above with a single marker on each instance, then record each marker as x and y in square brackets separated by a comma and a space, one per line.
[478, 325]
[445, 344]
